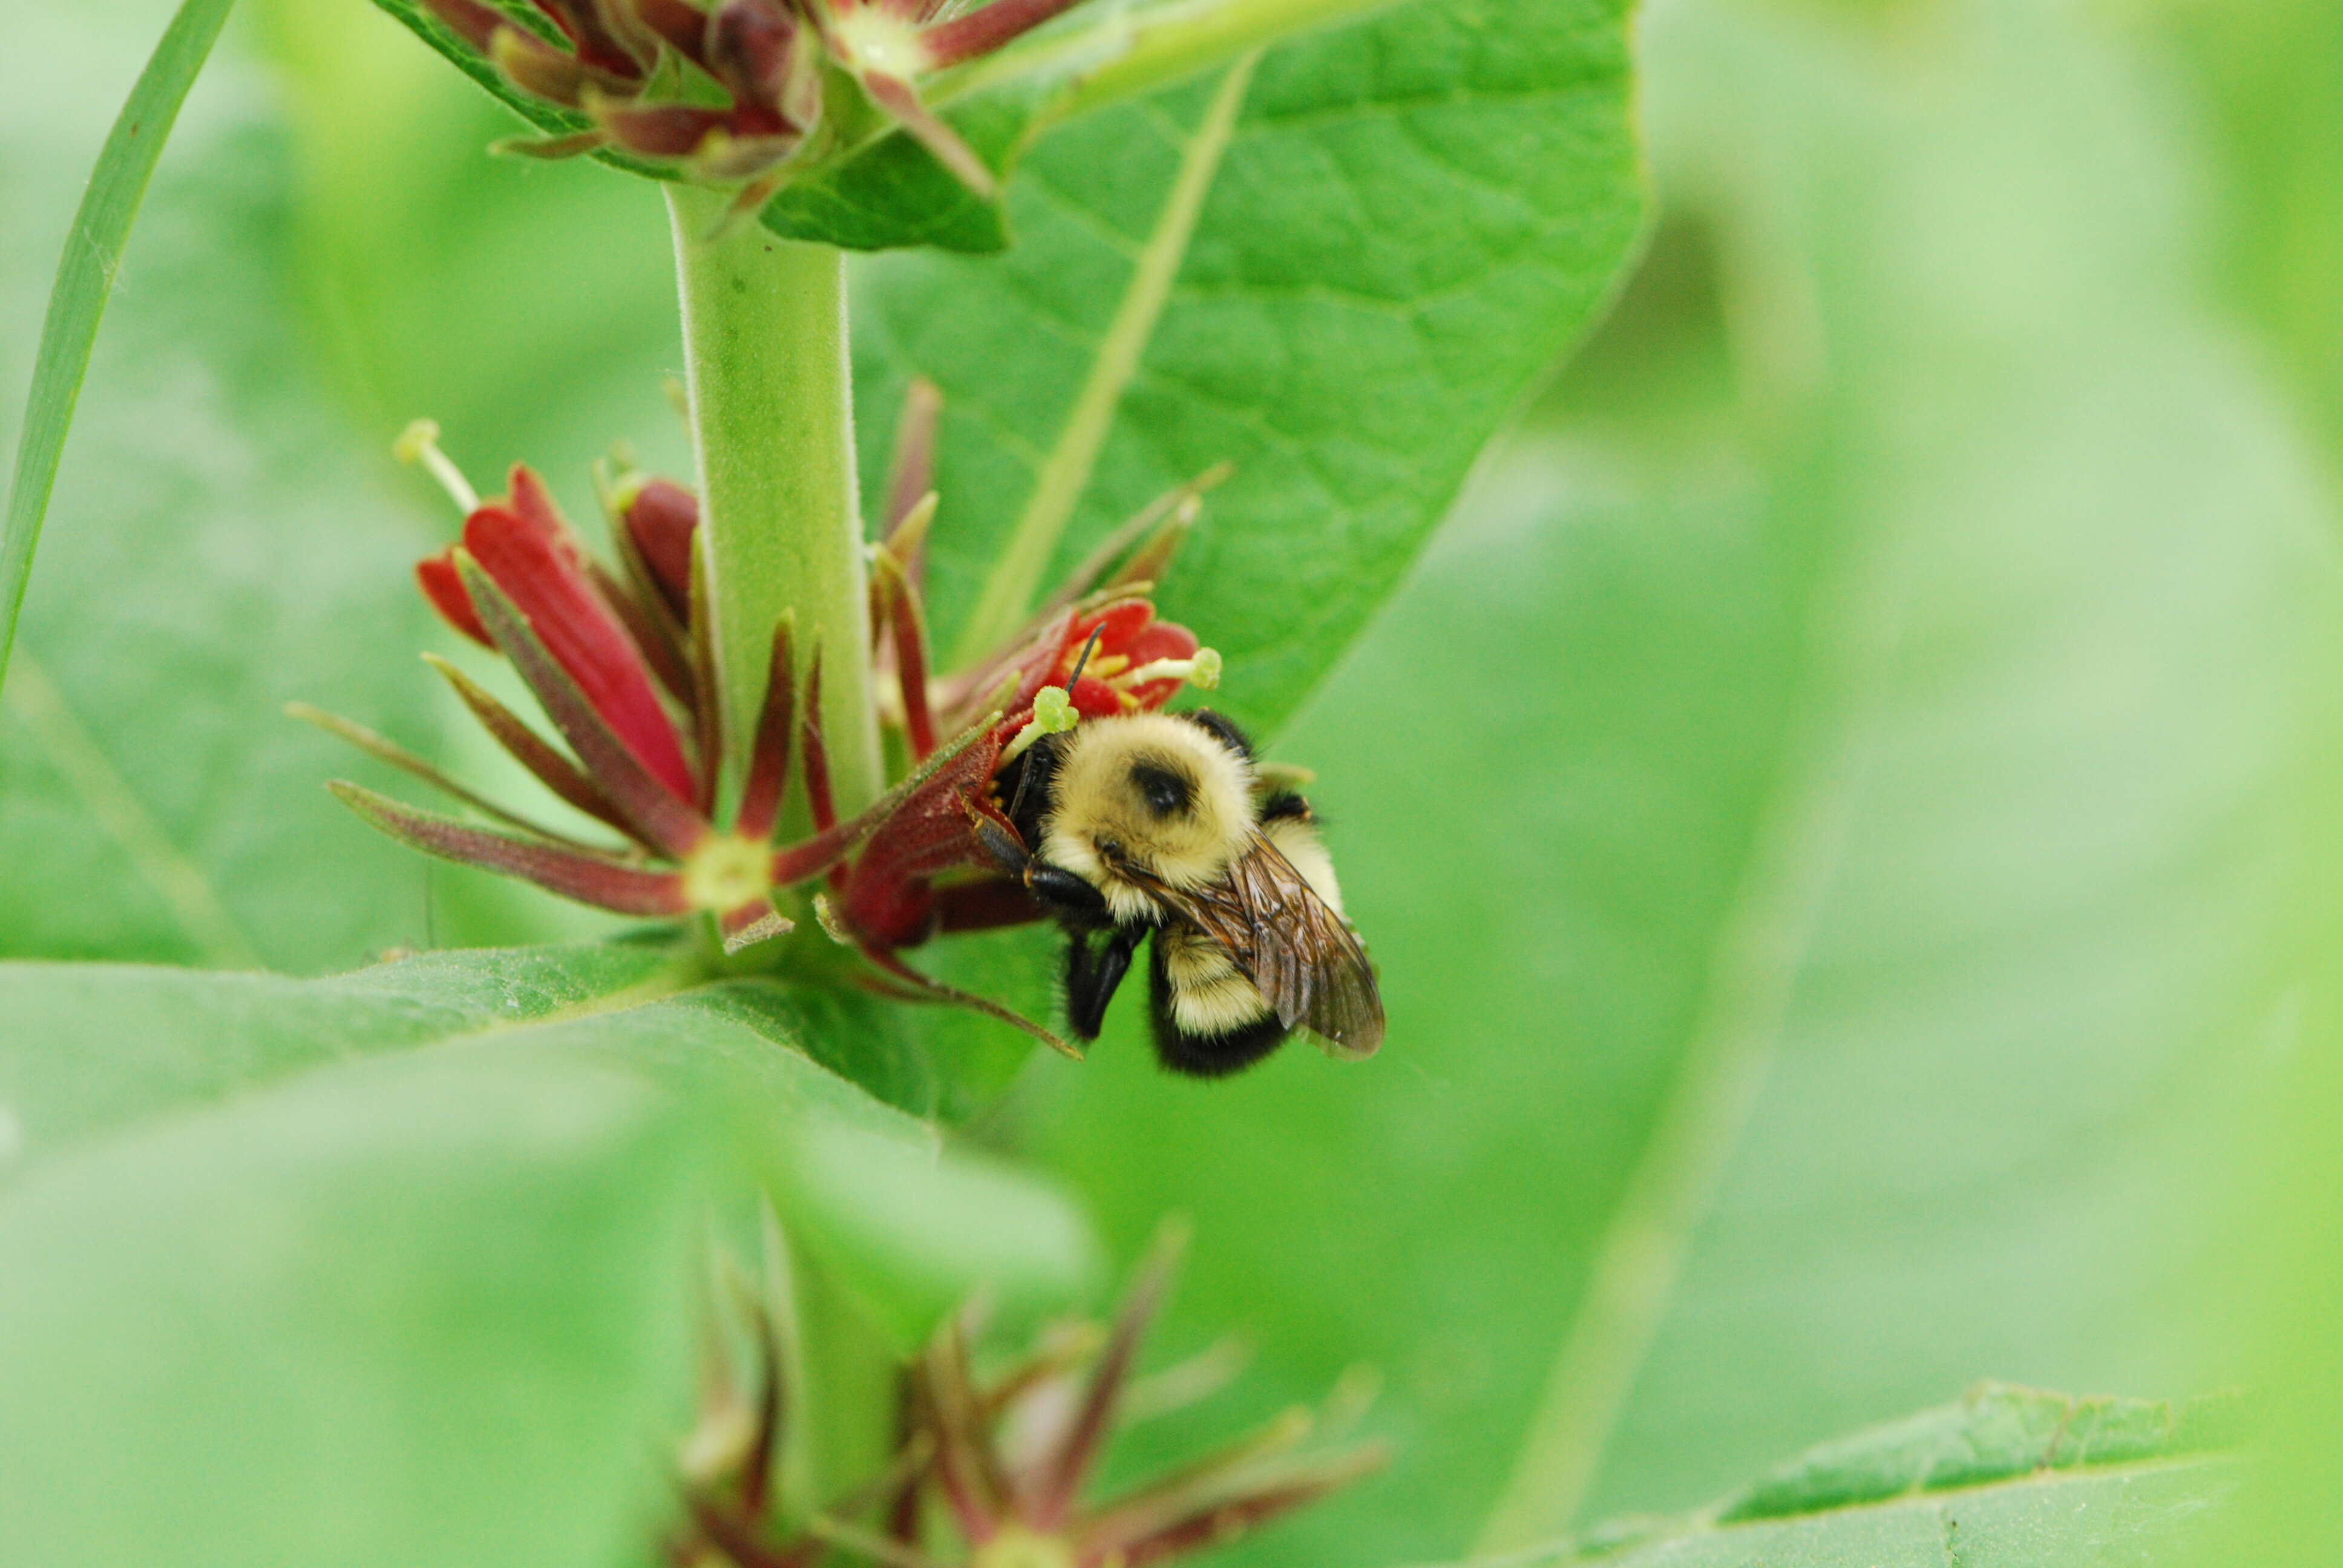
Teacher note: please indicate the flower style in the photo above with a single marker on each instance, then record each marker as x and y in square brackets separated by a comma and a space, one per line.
[621, 64]
[622, 662]
[992, 1470]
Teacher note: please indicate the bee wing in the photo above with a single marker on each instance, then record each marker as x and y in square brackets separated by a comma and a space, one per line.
[1302, 956]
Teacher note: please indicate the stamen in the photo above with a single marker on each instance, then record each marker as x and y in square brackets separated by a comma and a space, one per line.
[1053, 714]
[1202, 671]
[419, 443]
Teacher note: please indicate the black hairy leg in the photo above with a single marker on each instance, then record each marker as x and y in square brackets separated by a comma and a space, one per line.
[1096, 961]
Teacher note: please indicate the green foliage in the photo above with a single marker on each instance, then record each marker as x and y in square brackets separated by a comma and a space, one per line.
[1831, 814]
[1410, 221]
[876, 187]
[397, 1267]
[85, 278]
[2266, 85]
[1823, 815]
[224, 545]
[2007, 1476]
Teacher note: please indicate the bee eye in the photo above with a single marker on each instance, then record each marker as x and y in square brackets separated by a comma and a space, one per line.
[1167, 793]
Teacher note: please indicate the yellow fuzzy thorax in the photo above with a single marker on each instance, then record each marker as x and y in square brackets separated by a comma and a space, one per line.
[1102, 814]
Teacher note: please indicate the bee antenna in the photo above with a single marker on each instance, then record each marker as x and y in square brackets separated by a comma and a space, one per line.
[1026, 776]
[1088, 648]
[1023, 778]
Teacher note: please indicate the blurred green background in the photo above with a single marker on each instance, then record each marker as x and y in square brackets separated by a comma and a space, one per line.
[1843, 811]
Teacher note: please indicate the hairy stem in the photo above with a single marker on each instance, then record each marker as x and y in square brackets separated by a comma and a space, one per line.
[772, 424]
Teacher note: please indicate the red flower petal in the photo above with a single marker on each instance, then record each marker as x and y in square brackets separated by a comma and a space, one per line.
[682, 28]
[1159, 640]
[661, 519]
[1094, 699]
[595, 43]
[898, 97]
[1061, 1474]
[444, 587]
[653, 811]
[533, 504]
[535, 570]
[661, 130]
[1121, 622]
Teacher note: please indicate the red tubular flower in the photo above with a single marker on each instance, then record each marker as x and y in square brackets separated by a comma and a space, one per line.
[1012, 1456]
[622, 664]
[768, 56]
[528, 552]
[993, 1471]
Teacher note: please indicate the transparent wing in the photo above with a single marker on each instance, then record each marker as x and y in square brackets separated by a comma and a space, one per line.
[1302, 956]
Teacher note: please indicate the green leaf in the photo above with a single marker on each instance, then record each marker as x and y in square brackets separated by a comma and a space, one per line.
[879, 188]
[1404, 224]
[174, 1039]
[85, 275]
[396, 1267]
[2006, 1476]
[2267, 81]
[890, 192]
[408, 1311]
[1339, 271]
[233, 545]
[1824, 816]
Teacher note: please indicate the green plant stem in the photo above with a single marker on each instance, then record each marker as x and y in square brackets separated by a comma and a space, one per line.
[85, 281]
[772, 425]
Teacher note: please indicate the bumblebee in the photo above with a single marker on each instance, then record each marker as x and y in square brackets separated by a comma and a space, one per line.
[1159, 825]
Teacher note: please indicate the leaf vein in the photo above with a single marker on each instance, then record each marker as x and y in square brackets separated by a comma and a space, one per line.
[194, 904]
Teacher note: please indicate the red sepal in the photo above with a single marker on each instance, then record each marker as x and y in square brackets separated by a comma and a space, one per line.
[442, 585]
[769, 757]
[577, 874]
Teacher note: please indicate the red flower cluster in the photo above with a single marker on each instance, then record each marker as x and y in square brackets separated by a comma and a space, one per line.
[616, 66]
[994, 1469]
[622, 664]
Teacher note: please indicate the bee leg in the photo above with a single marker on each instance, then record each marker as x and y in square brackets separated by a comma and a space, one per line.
[1065, 893]
[1094, 968]
[928, 988]
[1005, 848]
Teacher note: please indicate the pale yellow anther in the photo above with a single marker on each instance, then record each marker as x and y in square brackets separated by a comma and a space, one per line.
[419, 443]
[1202, 671]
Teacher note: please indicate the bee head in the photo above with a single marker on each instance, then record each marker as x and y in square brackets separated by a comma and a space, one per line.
[1150, 793]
